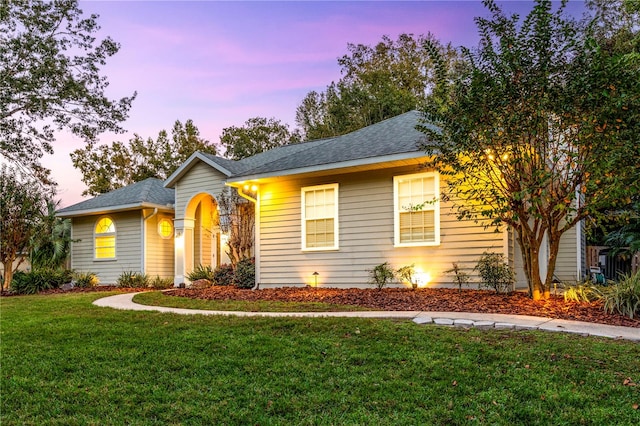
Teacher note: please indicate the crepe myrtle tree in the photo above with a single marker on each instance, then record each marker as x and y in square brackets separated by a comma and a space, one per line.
[50, 79]
[539, 129]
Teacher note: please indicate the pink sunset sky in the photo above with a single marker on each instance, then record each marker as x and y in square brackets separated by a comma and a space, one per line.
[220, 63]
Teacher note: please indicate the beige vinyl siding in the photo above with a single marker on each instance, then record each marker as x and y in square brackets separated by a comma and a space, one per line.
[159, 252]
[567, 262]
[366, 235]
[128, 246]
[201, 178]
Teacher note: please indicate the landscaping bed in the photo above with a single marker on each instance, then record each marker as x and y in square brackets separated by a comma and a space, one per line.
[430, 299]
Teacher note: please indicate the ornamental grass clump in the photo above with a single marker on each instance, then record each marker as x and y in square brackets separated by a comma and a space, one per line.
[131, 279]
[160, 283]
[85, 279]
[201, 272]
[623, 297]
[583, 292]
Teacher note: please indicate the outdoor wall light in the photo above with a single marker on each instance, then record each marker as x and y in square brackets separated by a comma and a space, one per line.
[179, 233]
[315, 279]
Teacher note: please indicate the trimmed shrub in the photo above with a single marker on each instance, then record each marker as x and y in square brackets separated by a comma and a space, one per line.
[201, 272]
[223, 275]
[380, 275]
[160, 283]
[495, 273]
[460, 277]
[406, 274]
[39, 280]
[244, 275]
[623, 297]
[85, 279]
[131, 279]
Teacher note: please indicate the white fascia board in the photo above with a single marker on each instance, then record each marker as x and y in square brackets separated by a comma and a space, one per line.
[116, 209]
[330, 166]
[187, 165]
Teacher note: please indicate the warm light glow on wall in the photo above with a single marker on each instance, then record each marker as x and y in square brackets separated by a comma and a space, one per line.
[422, 278]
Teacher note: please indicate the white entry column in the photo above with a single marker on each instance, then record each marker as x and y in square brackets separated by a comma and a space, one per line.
[183, 250]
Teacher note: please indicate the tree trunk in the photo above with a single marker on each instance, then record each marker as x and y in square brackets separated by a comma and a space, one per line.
[554, 248]
[530, 250]
[8, 274]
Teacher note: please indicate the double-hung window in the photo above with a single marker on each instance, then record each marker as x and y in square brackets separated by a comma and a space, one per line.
[104, 238]
[416, 209]
[320, 217]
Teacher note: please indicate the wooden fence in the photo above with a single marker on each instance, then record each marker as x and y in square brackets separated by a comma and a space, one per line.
[611, 265]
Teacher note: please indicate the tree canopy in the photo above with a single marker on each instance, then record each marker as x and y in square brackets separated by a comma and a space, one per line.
[50, 78]
[22, 203]
[110, 166]
[258, 134]
[378, 82]
[540, 129]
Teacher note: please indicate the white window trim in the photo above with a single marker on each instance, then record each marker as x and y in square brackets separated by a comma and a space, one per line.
[336, 238]
[105, 234]
[435, 208]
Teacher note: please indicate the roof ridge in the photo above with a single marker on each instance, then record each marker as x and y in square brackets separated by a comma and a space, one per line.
[318, 142]
[146, 188]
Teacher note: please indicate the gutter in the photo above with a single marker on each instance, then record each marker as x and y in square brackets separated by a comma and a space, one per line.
[143, 258]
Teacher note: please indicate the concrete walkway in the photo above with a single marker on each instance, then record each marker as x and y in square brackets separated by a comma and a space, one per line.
[458, 319]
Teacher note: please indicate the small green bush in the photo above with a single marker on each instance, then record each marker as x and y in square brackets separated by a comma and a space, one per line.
[582, 292]
[201, 272]
[623, 297]
[380, 275]
[406, 274]
[39, 280]
[244, 275]
[85, 279]
[159, 283]
[495, 273]
[223, 275]
[131, 279]
[459, 276]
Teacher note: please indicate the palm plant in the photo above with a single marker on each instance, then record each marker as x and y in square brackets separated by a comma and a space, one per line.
[50, 246]
[626, 239]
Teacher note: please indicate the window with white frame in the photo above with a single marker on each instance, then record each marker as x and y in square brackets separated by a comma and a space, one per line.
[104, 239]
[320, 217]
[416, 209]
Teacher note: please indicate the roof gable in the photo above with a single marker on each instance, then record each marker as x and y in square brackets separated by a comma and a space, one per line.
[223, 165]
[393, 138]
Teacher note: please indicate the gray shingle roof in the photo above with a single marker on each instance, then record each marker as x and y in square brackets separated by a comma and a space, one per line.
[396, 135]
[147, 193]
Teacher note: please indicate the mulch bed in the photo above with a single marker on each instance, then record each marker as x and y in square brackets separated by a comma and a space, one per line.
[430, 299]
[402, 299]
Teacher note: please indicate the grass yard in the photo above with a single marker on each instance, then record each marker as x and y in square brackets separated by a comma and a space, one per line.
[67, 362]
[156, 298]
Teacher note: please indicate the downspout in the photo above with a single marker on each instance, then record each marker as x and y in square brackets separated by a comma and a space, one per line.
[144, 234]
[256, 236]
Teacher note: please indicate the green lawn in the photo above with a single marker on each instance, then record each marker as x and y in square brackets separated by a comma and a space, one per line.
[67, 362]
[156, 298]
